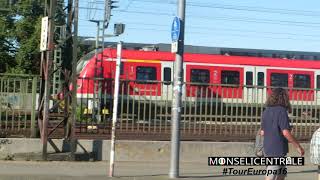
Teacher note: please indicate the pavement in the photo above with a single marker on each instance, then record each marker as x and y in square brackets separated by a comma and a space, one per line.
[62, 170]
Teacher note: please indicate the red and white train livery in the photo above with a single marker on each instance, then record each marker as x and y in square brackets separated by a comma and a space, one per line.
[235, 77]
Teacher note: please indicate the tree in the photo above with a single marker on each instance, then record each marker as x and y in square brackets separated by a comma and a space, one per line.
[19, 37]
[7, 47]
[20, 29]
[27, 34]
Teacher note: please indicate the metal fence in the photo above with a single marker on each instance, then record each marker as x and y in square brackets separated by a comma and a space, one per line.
[209, 111]
[18, 105]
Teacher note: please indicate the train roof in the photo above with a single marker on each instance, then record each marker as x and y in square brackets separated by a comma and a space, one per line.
[215, 59]
[289, 54]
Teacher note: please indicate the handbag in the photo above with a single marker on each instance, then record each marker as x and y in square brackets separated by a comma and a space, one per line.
[258, 147]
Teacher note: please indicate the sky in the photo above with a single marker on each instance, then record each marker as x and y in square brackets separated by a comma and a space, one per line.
[257, 24]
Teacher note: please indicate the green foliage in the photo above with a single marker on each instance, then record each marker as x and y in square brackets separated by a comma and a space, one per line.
[79, 112]
[20, 29]
[7, 47]
[19, 37]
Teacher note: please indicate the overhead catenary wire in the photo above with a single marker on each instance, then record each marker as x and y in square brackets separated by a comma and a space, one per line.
[234, 32]
[242, 19]
[223, 18]
[207, 5]
[244, 32]
[229, 34]
[228, 29]
[258, 9]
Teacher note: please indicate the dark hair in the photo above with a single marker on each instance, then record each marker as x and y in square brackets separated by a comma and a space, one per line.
[279, 97]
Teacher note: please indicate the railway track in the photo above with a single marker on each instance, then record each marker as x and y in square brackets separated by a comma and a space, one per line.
[219, 132]
[189, 132]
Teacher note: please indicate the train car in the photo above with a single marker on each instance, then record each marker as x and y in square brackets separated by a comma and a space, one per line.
[213, 84]
[248, 79]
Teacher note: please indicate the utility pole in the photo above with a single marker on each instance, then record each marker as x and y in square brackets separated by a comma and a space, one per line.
[46, 61]
[177, 95]
[74, 80]
[47, 47]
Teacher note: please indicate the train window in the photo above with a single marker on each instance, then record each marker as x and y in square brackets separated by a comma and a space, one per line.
[200, 75]
[249, 78]
[230, 77]
[260, 79]
[279, 80]
[318, 81]
[146, 74]
[167, 75]
[301, 81]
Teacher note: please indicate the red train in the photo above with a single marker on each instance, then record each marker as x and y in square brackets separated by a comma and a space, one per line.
[149, 74]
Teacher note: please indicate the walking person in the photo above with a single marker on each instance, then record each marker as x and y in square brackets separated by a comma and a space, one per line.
[275, 128]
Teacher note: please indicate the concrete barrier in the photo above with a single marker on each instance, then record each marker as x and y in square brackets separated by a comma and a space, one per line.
[156, 151]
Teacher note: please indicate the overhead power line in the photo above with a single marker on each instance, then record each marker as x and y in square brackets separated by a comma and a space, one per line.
[226, 29]
[240, 33]
[242, 8]
[197, 33]
[242, 19]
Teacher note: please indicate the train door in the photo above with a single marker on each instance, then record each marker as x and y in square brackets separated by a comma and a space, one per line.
[230, 83]
[167, 79]
[147, 79]
[248, 88]
[260, 83]
[127, 77]
[298, 83]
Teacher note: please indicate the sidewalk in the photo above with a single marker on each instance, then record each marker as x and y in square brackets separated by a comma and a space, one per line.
[23, 170]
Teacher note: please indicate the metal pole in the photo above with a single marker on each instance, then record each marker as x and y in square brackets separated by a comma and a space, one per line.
[100, 74]
[74, 79]
[47, 72]
[68, 57]
[105, 23]
[95, 70]
[100, 70]
[115, 109]
[177, 94]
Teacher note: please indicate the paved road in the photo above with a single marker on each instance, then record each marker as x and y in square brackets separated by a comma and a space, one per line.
[27, 170]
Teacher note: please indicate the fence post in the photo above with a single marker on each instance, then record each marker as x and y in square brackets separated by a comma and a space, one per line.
[33, 110]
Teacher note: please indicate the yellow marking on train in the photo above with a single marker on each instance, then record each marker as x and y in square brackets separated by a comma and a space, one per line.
[87, 111]
[144, 61]
[105, 111]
